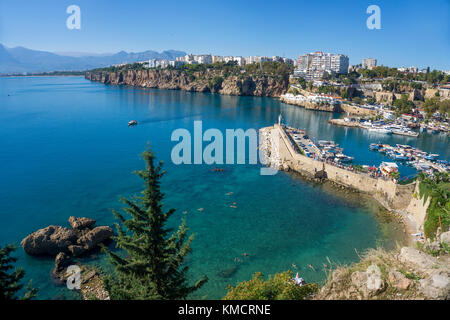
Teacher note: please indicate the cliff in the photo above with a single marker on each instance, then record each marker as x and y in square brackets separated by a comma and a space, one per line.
[405, 274]
[210, 80]
[311, 105]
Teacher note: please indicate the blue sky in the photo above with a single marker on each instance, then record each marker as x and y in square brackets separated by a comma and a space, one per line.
[412, 32]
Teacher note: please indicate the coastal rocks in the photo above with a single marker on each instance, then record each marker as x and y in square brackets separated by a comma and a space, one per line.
[92, 285]
[375, 283]
[94, 237]
[50, 240]
[436, 286]
[55, 239]
[80, 223]
[62, 261]
[399, 281]
[369, 282]
[416, 258]
[405, 275]
[445, 237]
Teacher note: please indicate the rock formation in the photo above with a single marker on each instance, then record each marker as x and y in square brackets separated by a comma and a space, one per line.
[50, 240]
[409, 274]
[62, 261]
[241, 85]
[55, 239]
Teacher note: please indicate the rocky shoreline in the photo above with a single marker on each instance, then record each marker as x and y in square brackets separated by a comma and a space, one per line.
[214, 81]
[67, 245]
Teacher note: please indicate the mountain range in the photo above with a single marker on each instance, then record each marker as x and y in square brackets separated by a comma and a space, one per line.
[23, 60]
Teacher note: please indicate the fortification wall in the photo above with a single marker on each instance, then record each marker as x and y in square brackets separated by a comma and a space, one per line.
[391, 195]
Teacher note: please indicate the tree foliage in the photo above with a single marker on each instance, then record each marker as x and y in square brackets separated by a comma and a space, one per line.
[438, 213]
[10, 279]
[403, 105]
[153, 267]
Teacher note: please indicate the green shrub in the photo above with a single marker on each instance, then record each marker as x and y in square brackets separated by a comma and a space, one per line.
[277, 287]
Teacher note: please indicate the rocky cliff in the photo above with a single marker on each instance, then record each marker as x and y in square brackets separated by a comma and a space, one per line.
[215, 81]
[407, 274]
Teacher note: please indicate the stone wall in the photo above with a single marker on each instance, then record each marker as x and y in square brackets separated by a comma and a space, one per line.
[357, 110]
[392, 196]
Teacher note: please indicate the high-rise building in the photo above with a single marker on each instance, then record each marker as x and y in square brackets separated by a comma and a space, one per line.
[369, 63]
[314, 65]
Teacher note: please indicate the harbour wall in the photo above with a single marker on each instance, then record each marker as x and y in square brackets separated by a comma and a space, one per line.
[394, 197]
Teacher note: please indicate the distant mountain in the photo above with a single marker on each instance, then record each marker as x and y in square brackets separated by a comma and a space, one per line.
[23, 60]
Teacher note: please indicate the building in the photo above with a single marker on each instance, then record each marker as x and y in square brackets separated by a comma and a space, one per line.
[152, 63]
[217, 59]
[240, 60]
[277, 59]
[256, 59]
[158, 63]
[314, 65]
[203, 58]
[176, 63]
[369, 63]
[387, 168]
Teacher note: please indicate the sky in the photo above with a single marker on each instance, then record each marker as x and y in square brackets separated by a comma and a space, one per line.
[413, 33]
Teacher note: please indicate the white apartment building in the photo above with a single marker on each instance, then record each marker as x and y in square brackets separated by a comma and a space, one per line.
[161, 63]
[240, 60]
[203, 58]
[256, 59]
[369, 63]
[176, 63]
[217, 59]
[314, 65]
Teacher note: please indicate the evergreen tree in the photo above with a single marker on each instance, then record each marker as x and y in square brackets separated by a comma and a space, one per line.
[154, 265]
[10, 281]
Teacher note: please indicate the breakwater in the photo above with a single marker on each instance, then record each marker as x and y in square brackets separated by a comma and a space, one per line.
[400, 199]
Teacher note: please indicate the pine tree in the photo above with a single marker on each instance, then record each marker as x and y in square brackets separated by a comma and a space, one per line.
[10, 281]
[154, 265]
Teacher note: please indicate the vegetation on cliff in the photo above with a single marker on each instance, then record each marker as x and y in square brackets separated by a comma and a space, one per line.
[434, 104]
[437, 189]
[431, 77]
[278, 287]
[153, 266]
[266, 79]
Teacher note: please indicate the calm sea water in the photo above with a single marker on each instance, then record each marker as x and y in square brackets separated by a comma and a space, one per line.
[66, 150]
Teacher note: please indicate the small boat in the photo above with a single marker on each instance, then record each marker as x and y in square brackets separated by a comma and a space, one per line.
[132, 123]
[400, 157]
[374, 146]
[343, 158]
[432, 157]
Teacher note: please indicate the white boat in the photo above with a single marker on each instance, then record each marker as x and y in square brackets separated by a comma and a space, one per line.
[405, 132]
[380, 130]
[132, 123]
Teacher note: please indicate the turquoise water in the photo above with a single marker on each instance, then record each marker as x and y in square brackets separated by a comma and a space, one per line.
[66, 150]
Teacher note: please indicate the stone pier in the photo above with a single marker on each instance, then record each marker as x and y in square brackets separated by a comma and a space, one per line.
[400, 199]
